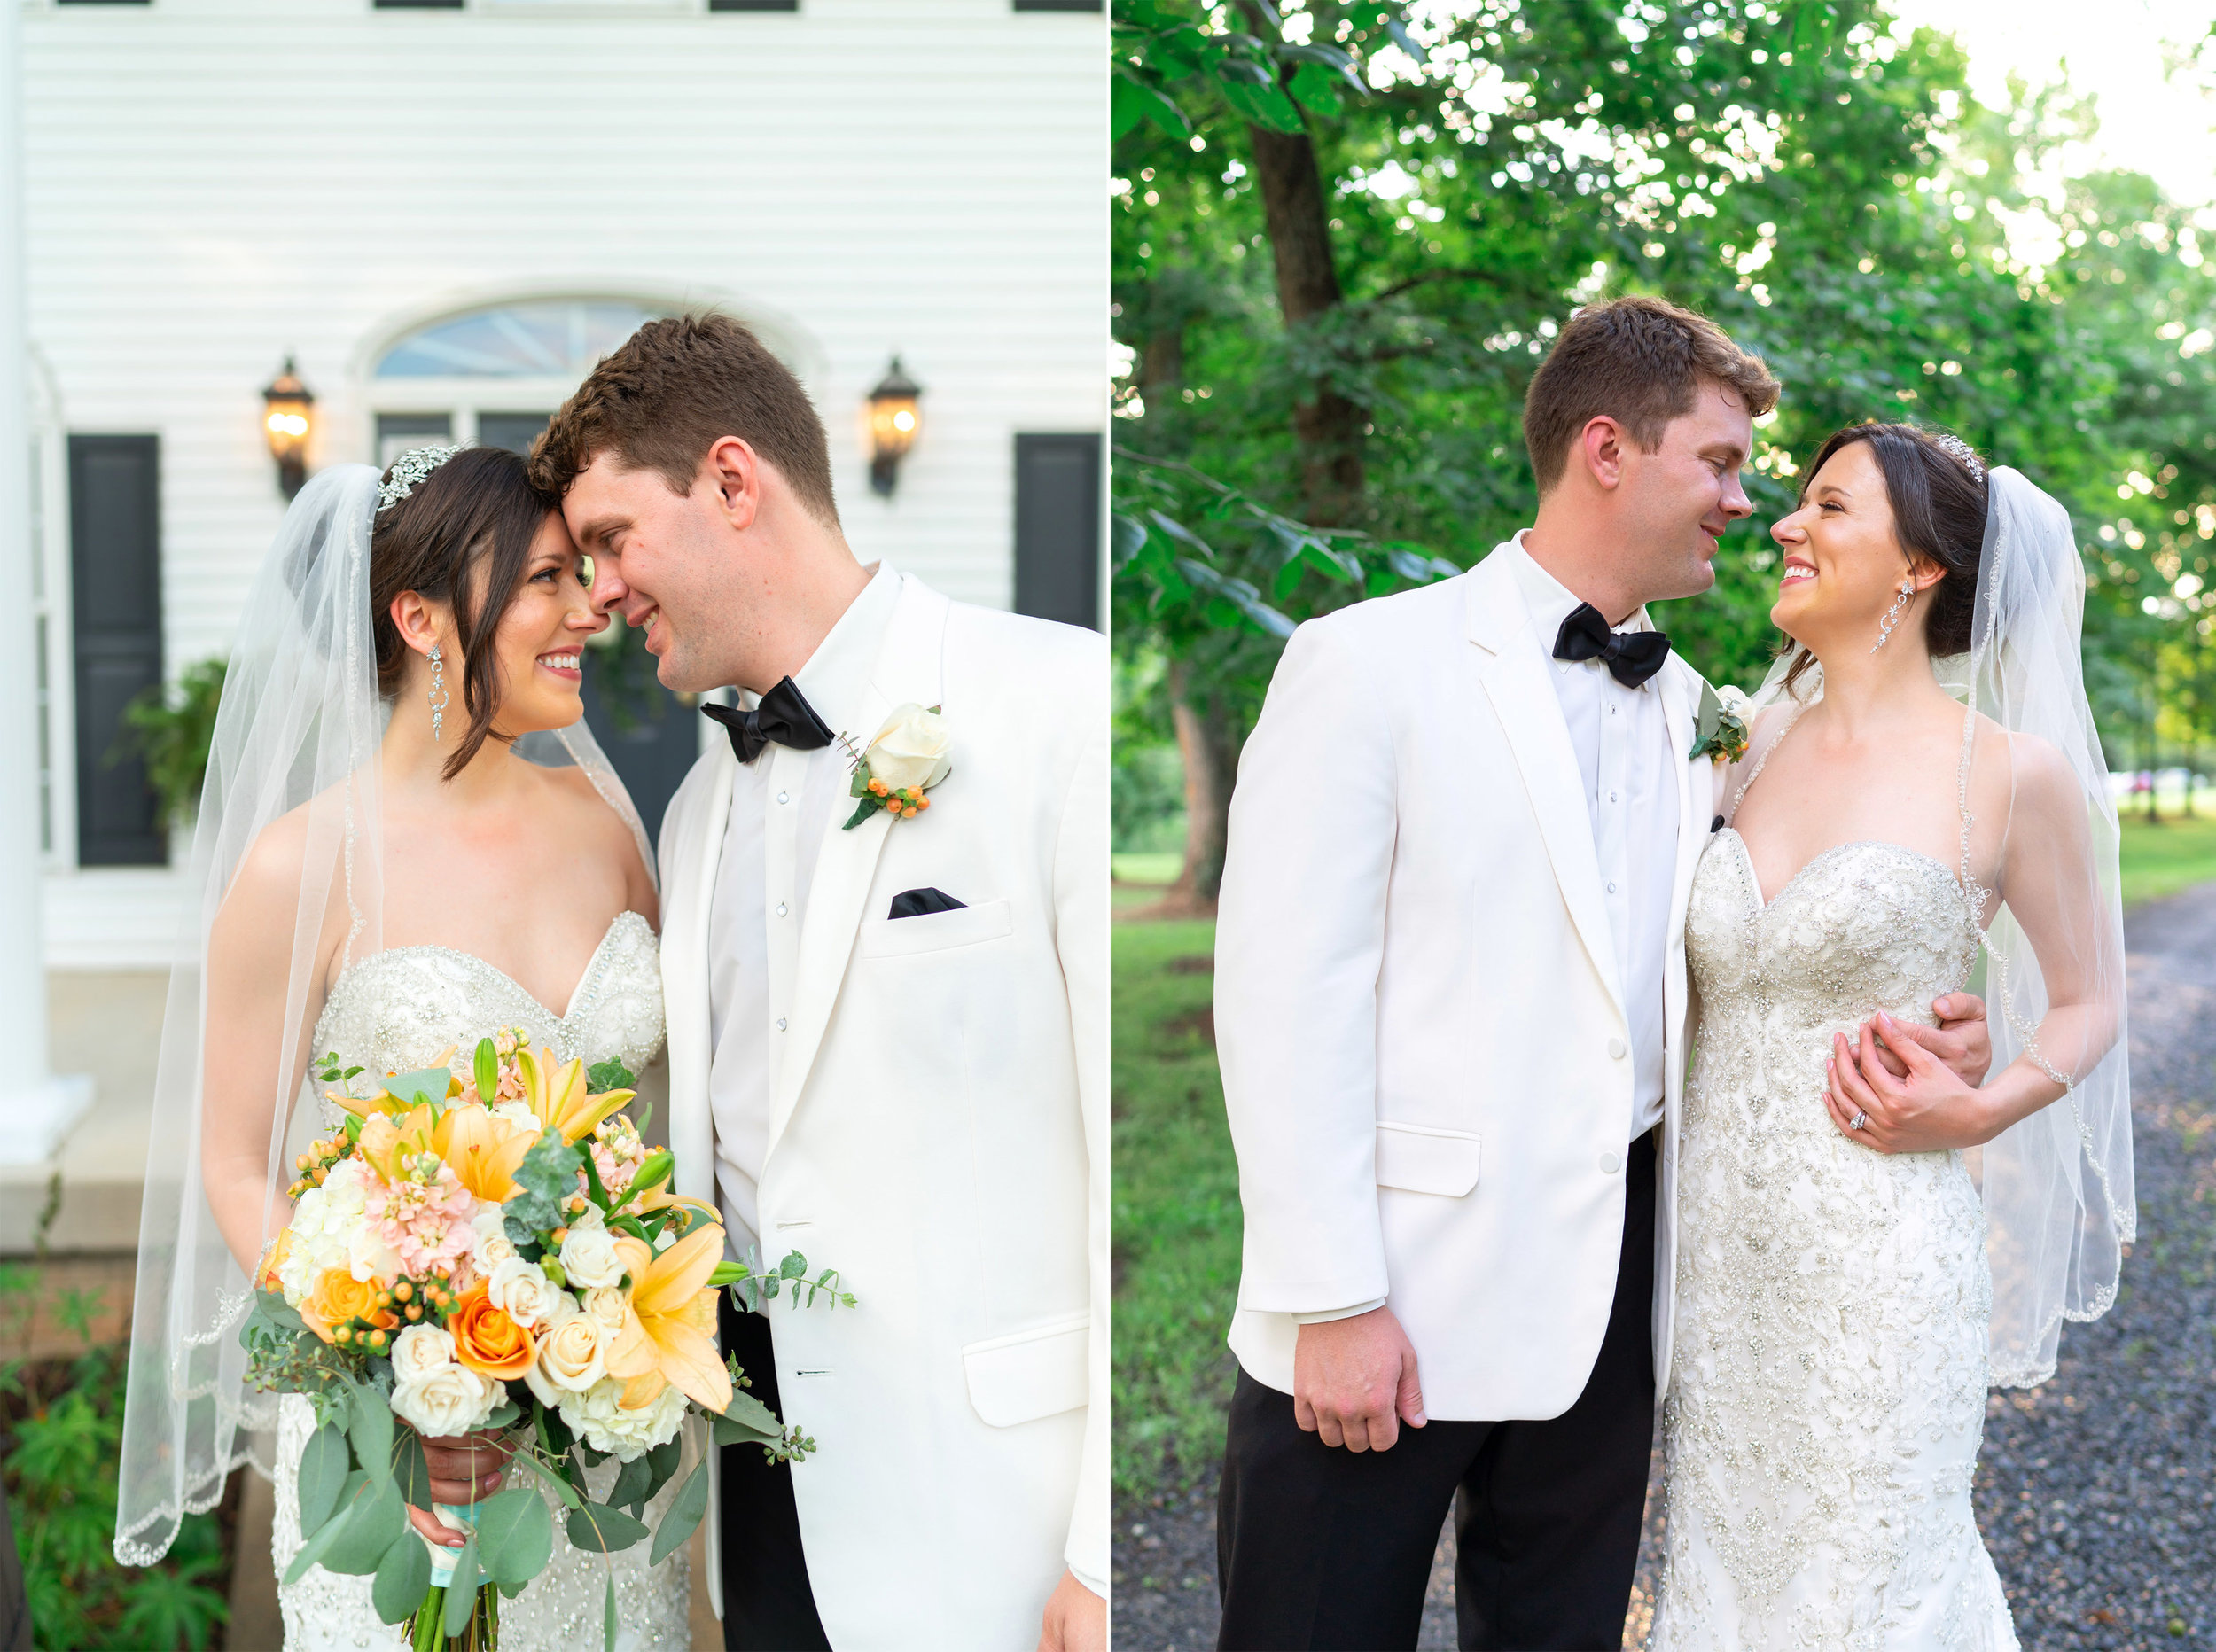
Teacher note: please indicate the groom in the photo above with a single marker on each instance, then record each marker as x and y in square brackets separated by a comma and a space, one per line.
[887, 1028]
[1451, 1008]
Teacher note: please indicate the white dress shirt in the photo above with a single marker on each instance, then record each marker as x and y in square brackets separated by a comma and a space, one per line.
[781, 807]
[1628, 763]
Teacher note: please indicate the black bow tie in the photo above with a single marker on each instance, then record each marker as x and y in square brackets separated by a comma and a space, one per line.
[783, 716]
[1631, 656]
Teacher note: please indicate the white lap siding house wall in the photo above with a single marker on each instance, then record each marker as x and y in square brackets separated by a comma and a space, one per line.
[213, 185]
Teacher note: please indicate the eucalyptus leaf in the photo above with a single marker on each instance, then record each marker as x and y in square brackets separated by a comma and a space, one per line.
[425, 1086]
[750, 1413]
[312, 1551]
[375, 1520]
[403, 1578]
[684, 1514]
[371, 1431]
[557, 1482]
[323, 1477]
[412, 1470]
[607, 1618]
[633, 1482]
[599, 1530]
[460, 1594]
[515, 1535]
[503, 1415]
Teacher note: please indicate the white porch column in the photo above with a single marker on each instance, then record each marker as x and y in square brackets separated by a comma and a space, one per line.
[36, 1108]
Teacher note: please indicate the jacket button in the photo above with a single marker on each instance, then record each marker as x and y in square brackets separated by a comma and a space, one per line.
[1615, 1049]
[1611, 1163]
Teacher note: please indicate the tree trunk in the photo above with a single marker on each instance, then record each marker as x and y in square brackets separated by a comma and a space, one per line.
[1207, 741]
[1328, 426]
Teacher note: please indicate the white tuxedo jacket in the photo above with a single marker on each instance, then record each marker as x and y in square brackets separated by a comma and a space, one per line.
[1425, 1047]
[940, 1137]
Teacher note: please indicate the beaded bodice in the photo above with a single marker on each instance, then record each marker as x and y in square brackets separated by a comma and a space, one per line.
[402, 1009]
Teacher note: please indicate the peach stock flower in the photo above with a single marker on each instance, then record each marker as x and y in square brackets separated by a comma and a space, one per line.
[487, 1340]
[669, 1335]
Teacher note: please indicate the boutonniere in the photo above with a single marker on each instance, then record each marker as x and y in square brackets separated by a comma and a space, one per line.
[906, 759]
[1721, 736]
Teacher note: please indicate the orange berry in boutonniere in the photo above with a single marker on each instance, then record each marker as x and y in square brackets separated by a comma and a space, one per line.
[905, 759]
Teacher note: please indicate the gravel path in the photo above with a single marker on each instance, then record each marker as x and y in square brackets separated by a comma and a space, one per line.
[2097, 1493]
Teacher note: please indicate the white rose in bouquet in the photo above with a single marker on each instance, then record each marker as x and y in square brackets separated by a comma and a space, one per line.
[572, 1358]
[912, 749]
[588, 1256]
[418, 1350]
[515, 1113]
[491, 1246]
[595, 1418]
[520, 1289]
[608, 1304]
[447, 1400]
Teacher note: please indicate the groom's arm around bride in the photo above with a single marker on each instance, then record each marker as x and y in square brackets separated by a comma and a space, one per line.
[887, 1016]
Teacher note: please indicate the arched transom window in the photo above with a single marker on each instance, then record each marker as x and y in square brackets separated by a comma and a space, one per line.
[547, 339]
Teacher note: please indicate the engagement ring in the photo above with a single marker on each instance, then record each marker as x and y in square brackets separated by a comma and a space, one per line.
[1858, 1121]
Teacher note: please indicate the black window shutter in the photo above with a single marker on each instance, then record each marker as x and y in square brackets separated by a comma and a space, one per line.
[1058, 5]
[116, 586]
[753, 5]
[1057, 527]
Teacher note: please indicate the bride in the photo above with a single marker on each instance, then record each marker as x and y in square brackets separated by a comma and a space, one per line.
[383, 875]
[1865, 1242]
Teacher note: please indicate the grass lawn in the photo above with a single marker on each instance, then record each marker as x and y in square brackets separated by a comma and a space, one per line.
[2163, 859]
[1176, 1210]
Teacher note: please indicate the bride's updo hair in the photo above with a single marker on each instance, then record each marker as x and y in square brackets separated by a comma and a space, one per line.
[462, 538]
[1935, 483]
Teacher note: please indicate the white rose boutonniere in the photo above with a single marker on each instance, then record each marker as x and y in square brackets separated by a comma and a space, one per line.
[904, 759]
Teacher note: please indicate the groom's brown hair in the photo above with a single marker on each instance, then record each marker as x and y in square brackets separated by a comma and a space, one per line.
[673, 390]
[1641, 362]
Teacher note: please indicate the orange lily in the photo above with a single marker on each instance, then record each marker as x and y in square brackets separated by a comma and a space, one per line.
[481, 1150]
[389, 1138]
[557, 1095]
[668, 1333]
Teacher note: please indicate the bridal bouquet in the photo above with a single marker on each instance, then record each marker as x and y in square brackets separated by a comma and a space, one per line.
[495, 1251]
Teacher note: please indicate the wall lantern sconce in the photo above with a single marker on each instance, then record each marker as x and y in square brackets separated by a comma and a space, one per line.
[893, 421]
[285, 420]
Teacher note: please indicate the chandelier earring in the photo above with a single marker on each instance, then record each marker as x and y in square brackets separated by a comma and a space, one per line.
[1892, 614]
[437, 693]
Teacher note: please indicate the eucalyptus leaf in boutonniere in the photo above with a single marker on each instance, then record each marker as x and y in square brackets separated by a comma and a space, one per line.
[906, 759]
[1721, 736]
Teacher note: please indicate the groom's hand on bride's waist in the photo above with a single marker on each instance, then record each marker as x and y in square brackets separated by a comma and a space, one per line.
[1354, 1380]
[1961, 1042]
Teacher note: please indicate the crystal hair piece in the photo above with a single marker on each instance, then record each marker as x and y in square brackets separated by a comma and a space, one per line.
[409, 470]
[1961, 450]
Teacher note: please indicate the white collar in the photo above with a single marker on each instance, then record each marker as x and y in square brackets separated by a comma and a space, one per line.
[1550, 601]
[838, 672]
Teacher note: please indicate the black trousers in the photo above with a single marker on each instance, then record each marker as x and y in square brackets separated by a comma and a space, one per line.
[768, 1605]
[1324, 1549]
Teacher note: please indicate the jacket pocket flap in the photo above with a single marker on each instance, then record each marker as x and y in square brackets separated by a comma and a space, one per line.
[935, 932]
[1420, 1159]
[1031, 1374]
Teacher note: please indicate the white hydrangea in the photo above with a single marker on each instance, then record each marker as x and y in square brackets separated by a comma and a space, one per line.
[516, 1113]
[325, 1221]
[596, 1418]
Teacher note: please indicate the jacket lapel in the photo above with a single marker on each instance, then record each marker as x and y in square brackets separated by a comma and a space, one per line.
[1530, 712]
[908, 670]
[687, 901]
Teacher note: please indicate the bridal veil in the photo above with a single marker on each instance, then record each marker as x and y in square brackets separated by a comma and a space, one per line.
[295, 742]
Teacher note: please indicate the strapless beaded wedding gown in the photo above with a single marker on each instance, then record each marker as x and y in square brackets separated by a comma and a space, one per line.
[399, 1011]
[1828, 1388]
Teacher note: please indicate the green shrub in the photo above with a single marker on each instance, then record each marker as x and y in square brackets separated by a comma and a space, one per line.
[61, 1428]
[171, 731]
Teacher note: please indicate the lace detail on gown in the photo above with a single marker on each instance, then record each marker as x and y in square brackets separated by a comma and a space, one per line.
[1828, 1387]
[398, 1010]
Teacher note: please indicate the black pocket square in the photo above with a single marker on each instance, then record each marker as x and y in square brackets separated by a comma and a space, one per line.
[916, 903]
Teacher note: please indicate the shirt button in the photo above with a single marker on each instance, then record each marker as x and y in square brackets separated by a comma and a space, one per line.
[1612, 889]
[780, 1024]
[781, 908]
[1615, 1048]
[1611, 797]
[1611, 1163]
[783, 797]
